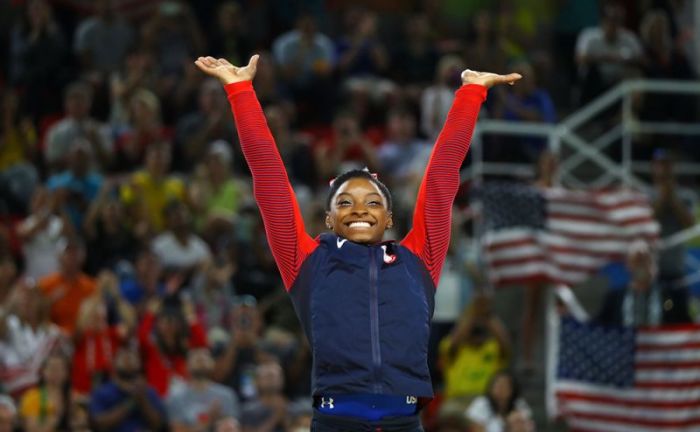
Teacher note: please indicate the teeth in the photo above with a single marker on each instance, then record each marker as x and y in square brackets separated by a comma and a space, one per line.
[359, 225]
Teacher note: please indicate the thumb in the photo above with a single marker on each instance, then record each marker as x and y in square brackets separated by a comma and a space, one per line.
[253, 63]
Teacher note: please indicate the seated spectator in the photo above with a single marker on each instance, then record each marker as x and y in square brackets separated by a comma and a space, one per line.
[144, 285]
[110, 238]
[67, 288]
[126, 403]
[606, 54]
[201, 403]
[144, 128]
[360, 51]
[501, 409]
[41, 233]
[437, 99]
[77, 186]
[77, 123]
[47, 406]
[166, 333]
[179, 249]
[27, 336]
[8, 414]
[212, 121]
[476, 349]
[216, 196]
[102, 40]
[98, 336]
[268, 410]
[646, 301]
[416, 54]
[147, 191]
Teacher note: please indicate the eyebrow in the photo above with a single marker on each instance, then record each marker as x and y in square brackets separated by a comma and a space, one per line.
[371, 193]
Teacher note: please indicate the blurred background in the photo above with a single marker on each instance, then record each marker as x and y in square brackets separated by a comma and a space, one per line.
[137, 289]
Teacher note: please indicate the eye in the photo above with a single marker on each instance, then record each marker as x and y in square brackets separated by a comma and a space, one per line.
[343, 203]
[374, 203]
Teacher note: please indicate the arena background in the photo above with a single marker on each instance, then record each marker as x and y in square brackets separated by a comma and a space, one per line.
[128, 218]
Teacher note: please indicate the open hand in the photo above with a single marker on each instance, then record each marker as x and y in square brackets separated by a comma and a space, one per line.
[488, 79]
[225, 71]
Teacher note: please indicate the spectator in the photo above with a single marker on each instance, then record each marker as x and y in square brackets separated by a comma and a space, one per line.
[606, 54]
[166, 333]
[103, 40]
[230, 38]
[360, 52]
[67, 288]
[77, 186]
[137, 72]
[646, 301]
[470, 356]
[47, 406]
[672, 212]
[38, 59]
[144, 285]
[144, 128]
[77, 123]
[212, 121]
[97, 336]
[437, 99]
[299, 417]
[215, 194]
[501, 409]
[213, 293]
[267, 412]
[110, 239]
[26, 337]
[488, 42]
[126, 403]
[8, 274]
[148, 191]
[202, 403]
[8, 414]
[179, 249]
[416, 55]
[17, 132]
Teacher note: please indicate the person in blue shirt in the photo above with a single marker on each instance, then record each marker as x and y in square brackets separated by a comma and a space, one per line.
[127, 403]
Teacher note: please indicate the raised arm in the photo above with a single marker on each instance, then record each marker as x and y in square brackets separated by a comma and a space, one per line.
[284, 225]
[430, 235]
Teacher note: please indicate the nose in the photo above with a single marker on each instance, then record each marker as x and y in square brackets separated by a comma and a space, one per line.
[359, 209]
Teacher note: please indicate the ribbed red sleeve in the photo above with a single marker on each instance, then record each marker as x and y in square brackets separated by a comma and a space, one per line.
[284, 225]
[429, 237]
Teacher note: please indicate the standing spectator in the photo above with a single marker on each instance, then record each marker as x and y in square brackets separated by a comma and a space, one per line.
[360, 52]
[179, 249]
[166, 333]
[646, 301]
[212, 121]
[77, 186]
[148, 191]
[47, 406]
[77, 123]
[416, 55]
[144, 285]
[437, 99]
[8, 414]
[102, 41]
[38, 59]
[268, 411]
[126, 403]
[137, 72]
[27, 336]
[672, 213]
[202, 403]
[501, 409]
[67, 288]
[98, 336]
[606, 54]
[470, 356]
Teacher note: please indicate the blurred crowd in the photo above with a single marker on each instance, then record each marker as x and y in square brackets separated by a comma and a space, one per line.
[137, 290]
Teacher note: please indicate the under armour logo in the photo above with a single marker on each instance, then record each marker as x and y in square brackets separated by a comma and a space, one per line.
[411, 400]
[388, 258]
[340, 242]
[327, 403]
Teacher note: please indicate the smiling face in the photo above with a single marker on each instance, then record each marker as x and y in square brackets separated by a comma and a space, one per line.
[359, 212]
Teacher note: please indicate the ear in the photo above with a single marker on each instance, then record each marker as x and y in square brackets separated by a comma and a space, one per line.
[390, 221]
[329, 222]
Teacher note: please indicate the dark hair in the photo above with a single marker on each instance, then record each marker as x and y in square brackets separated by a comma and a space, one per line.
[514, 396]
[357, 173]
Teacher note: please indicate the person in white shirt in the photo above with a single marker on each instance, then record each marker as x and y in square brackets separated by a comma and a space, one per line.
[178, 248]
[501, 409]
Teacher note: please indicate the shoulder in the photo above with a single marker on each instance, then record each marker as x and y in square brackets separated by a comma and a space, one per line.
[48, 283]
[479, 410]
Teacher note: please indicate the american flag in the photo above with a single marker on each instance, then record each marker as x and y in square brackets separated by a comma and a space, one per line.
[614, 379]
[557, 235]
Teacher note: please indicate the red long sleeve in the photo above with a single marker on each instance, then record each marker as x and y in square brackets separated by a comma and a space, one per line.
[429, 237]
[284, 225]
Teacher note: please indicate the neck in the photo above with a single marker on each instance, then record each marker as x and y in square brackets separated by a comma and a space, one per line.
[199, 384]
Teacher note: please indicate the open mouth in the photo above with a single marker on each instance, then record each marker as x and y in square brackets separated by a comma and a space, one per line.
[359, 224]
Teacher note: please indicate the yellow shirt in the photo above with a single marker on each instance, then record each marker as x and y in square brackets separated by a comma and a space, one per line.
[152, 195]
[33, 405]
[469, 371]
[12, 146]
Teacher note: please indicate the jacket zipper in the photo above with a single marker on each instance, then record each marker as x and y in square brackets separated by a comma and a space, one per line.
[374, 320]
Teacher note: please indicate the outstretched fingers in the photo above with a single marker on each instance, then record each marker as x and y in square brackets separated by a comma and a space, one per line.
[510, 78]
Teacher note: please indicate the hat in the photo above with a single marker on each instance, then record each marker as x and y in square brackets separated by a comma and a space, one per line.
[221, 149]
